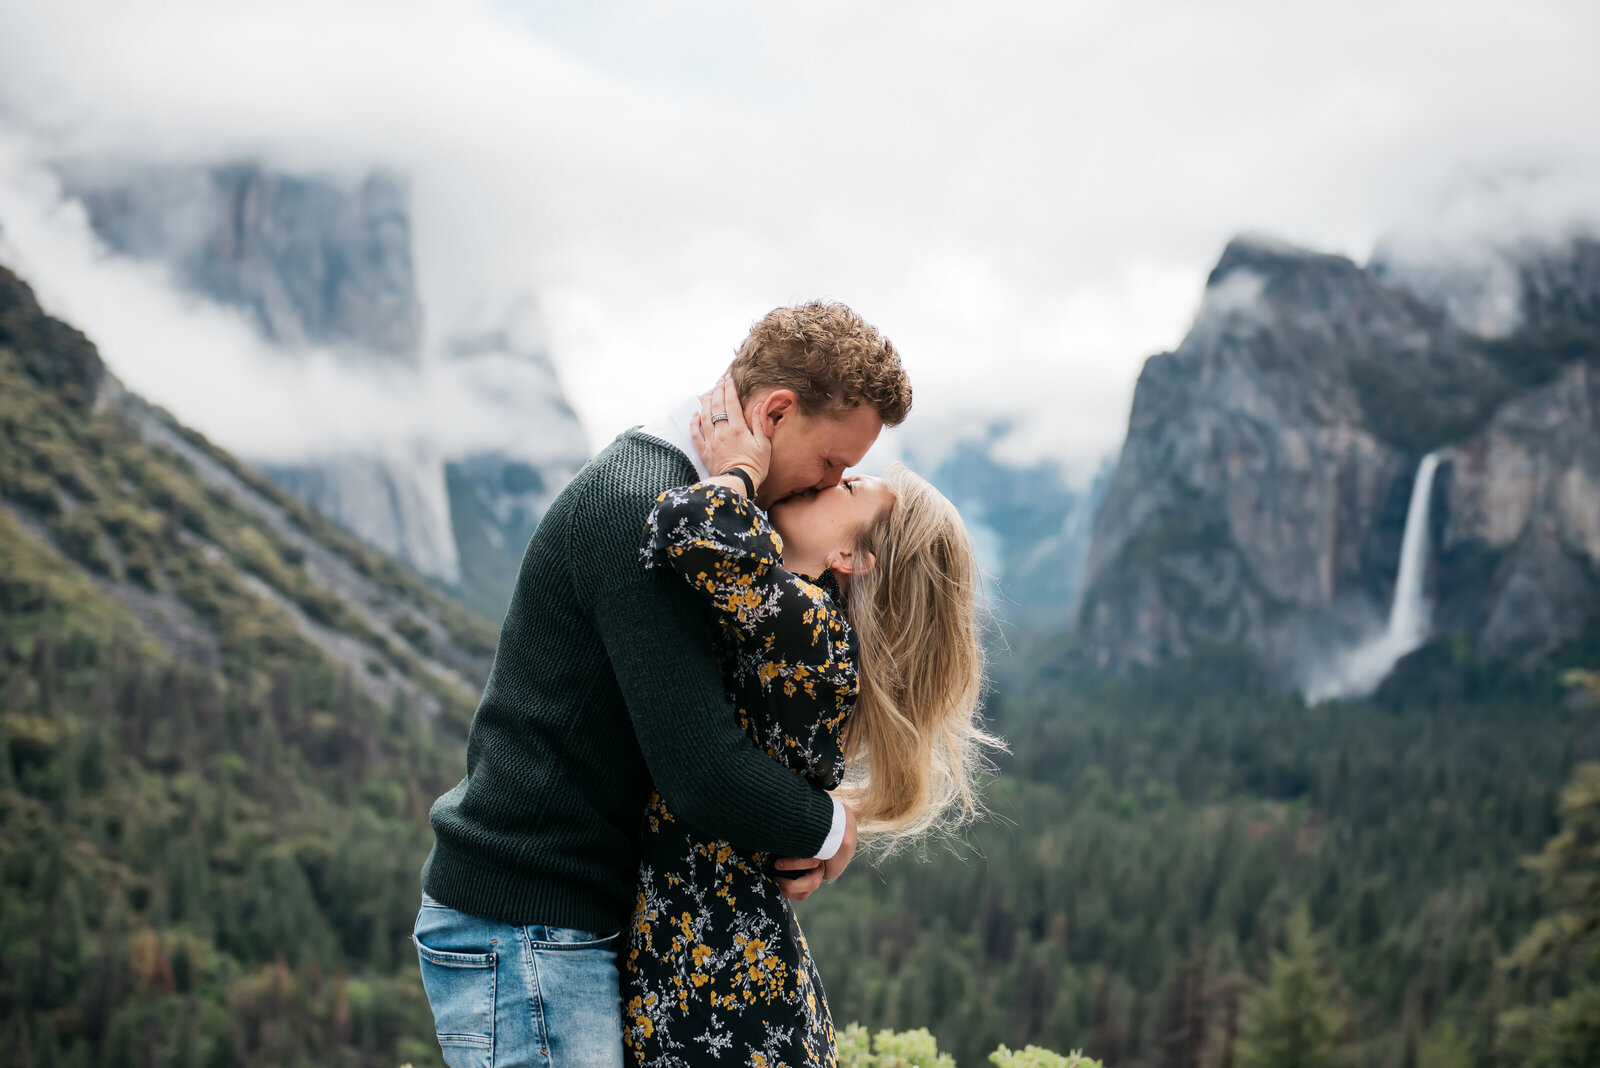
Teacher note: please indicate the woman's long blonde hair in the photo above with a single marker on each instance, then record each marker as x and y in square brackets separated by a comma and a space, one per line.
[913, 746]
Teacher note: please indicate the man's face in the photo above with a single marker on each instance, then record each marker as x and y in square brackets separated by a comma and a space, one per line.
[812, 452]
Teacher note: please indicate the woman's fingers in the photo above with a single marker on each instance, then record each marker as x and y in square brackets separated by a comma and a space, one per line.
[760, 444]
[720, 442]
[707, 406]
[730, 400]
[718, 406]
[724, 442]
[758, 425]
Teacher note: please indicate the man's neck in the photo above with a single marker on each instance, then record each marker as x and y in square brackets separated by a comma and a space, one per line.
[674, 428]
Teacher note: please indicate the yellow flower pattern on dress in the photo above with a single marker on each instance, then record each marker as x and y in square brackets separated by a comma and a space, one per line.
[717, 970]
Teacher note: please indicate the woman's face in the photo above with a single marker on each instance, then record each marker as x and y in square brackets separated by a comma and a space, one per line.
[817, 525]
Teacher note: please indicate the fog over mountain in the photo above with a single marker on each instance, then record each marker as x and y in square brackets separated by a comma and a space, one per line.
[416, 259]
[1027, 201]
[442, 451]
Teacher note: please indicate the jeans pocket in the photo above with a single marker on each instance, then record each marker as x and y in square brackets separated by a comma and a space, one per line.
[461, 990]
[544, 936]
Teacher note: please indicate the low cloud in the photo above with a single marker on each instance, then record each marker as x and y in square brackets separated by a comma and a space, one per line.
[208, 364]
[1464, 254]
[1026, 199]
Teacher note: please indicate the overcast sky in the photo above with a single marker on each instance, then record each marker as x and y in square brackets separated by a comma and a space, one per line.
[1025, 197]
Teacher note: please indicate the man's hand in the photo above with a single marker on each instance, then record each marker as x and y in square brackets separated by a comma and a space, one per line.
[798, 877]
[809, 872]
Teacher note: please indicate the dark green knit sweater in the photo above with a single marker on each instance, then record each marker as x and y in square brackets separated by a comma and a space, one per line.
[604, 682]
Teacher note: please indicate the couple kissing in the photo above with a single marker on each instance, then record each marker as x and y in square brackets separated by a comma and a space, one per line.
[723, 659]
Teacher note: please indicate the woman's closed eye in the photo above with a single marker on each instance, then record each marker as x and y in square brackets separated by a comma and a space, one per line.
[850, 485]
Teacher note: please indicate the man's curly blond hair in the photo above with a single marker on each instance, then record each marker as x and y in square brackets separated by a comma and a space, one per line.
[831, 357]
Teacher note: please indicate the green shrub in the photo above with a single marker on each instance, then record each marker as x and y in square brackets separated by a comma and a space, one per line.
[169, 491]
[1037, 1057]
[414, 632]
[919, 1049]
[34, 490]
[887, 1049]
[130, 524]
[143, 567]
[79, 537]
[253, 552]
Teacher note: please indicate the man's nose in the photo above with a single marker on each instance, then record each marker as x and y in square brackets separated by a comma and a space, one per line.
[831, 478]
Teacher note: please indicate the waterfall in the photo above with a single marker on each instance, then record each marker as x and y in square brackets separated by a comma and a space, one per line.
[1409, 616]
[1356, 672]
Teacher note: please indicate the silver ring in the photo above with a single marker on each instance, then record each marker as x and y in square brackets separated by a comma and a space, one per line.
[718, 417]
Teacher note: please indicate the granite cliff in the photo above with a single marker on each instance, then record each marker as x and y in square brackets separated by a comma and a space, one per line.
[1260, 500]
[322, 267]
[312, 261]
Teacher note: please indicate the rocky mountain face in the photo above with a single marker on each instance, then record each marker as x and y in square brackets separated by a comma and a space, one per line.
[197, 554]
[1030, 522]
[312, 262]
[1520, 538]
[1261, 497]
[324, 269]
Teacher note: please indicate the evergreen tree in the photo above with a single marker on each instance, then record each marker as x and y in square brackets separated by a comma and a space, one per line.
[1566, 1032]
[7, 780]
[1293, 1022]
[1180, 1025]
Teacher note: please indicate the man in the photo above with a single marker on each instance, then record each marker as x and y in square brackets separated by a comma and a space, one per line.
[604, 684]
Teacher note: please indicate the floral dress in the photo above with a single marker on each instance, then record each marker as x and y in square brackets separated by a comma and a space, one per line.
[716, 970]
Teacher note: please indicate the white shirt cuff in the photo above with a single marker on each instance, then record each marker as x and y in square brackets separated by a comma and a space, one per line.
[835, 839]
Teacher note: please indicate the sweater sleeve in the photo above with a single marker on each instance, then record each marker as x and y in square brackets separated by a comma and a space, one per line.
[655, 631]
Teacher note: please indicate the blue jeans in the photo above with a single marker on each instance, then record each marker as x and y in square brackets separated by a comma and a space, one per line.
[505, 996]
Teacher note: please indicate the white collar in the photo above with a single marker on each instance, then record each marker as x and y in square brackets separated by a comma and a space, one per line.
[674, 429]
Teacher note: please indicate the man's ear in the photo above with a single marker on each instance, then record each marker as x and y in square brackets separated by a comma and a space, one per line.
[779, 403]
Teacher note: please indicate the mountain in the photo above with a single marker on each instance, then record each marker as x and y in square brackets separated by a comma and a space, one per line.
[310, 261]
[204, 553]
[1030, 521]
[322, 268]
[222, 721]
[1260, 501]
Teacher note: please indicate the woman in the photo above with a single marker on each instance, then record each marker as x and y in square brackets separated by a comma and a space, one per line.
[848, 639]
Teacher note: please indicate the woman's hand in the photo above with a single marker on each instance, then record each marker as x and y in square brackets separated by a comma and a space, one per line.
[731, 442]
